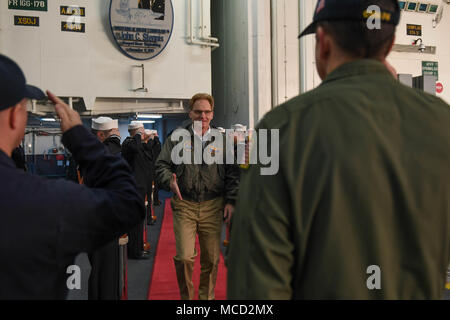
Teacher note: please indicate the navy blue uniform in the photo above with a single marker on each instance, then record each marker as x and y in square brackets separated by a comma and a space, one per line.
[59, 219]
[104, 278]
[139, 158]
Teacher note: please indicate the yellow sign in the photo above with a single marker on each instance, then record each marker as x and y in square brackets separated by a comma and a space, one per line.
[72, 11]
[73, 27]
[414, 30]
[26, 21]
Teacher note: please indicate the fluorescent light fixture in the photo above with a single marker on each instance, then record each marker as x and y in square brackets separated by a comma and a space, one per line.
[147, 121]
[149, 116]
[48, 119]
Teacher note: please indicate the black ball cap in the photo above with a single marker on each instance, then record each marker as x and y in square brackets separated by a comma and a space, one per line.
[13, 86]
[353, 10]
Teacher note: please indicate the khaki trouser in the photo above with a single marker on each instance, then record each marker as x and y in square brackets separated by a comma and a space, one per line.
[190, 218]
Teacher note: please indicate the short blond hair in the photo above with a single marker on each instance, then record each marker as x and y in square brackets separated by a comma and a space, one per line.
[200, 96]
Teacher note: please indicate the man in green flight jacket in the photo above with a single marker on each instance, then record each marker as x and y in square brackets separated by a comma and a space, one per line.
[360, 206]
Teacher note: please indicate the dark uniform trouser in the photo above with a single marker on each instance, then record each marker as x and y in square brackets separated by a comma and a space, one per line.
[136, 235]
[105, 273]
[156, 194]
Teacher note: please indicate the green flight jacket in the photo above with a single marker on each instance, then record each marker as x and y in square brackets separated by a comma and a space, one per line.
[364, 182]
[198, 182]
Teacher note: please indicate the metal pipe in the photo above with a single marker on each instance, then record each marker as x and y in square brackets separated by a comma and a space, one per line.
[274, 51]
[191, 29]
[204, 27]
[191, 23]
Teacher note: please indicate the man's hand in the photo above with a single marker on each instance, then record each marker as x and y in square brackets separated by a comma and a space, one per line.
[69, 118]
[228, 212]
[174, 186]
[146, 137]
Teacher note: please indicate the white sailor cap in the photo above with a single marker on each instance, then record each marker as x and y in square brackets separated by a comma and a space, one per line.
[104, 124]
[239, 127]
[135, 125]
[221, 130]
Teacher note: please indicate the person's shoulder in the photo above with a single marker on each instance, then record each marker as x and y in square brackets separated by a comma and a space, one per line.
[31, 186]
[430, 99]
[296, 107]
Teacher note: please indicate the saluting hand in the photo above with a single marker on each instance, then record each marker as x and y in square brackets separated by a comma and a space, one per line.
[174, 186]
[115, 131]
[69, 118]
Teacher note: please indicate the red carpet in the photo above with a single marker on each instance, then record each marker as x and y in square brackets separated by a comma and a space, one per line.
[163, 283]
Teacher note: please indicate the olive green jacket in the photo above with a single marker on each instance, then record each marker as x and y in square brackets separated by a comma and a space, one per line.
[198, 182]
[364, 181]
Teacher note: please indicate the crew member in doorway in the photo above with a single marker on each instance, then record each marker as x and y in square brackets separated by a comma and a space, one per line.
[360, 205]
[156, 150]
[104, 279]
[147, 144]
[140, 160]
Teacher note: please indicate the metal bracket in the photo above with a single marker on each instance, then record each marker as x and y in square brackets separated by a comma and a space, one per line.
[142, 88]
[414, 49]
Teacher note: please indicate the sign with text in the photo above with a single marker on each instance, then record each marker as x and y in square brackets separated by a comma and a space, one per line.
[36, 5]
[72, 11]
[430, 68]
[26, 21]
[73, 27]
[414, 30]
[141, 28]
